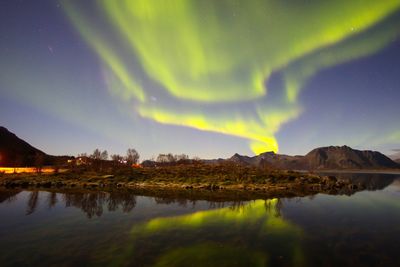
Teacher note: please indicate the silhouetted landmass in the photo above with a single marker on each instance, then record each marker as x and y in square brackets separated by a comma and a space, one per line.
[332, 158]
[15, 152]
[344, 157]
[223, 177]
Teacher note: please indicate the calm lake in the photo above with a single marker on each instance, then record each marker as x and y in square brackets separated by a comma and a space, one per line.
[92, 228]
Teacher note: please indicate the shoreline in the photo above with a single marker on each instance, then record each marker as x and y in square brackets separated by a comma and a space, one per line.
[289, 185]
[365, 171]
[215, 195]
[230, 180]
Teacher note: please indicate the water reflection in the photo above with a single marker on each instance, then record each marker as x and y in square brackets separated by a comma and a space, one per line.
[240, 233]
[52, 199]
[370, 181]
[320, 230]
[93, 203]
[9, 195]
[252, 234]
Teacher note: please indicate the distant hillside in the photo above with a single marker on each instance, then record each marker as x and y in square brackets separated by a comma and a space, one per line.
[16, 152]
[332, 157]
[270, 159]
[344, 157]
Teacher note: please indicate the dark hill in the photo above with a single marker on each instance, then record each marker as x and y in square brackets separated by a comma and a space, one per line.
[15, 152]
[332, 157]
[270, 159]
[344, 157]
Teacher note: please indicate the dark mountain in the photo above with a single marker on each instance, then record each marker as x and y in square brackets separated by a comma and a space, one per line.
[15, 152]
[242, 159]
[270, 159]
[333, 157]
[344, 157]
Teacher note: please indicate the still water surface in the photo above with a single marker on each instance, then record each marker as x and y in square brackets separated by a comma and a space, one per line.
[83, 228]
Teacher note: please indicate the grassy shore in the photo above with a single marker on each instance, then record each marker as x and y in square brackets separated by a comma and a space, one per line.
[226, 177]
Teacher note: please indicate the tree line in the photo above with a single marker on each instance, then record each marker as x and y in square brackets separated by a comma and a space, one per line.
[132, 157]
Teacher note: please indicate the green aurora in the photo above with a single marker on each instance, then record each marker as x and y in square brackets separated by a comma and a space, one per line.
[260, 219]
[208, 58]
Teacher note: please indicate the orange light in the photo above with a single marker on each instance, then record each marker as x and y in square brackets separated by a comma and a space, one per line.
[138, 166]
[8, 170]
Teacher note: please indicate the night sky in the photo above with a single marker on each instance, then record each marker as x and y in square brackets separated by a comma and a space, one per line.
[205, 78]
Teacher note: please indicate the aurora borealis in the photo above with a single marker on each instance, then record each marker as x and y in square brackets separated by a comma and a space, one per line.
[261, 75]
[260, 219]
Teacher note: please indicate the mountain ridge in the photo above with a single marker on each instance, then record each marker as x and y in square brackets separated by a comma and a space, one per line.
[322, 158]
[16, 152]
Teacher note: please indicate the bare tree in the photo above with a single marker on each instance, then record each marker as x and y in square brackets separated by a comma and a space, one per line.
[104, 155]
[39, 160]
[132, 156]
[19, 160]
[170, 157]
[162, 158]
[96, 154]
[167, 158]
[117, 158]
[181, 157]
[96, 159]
